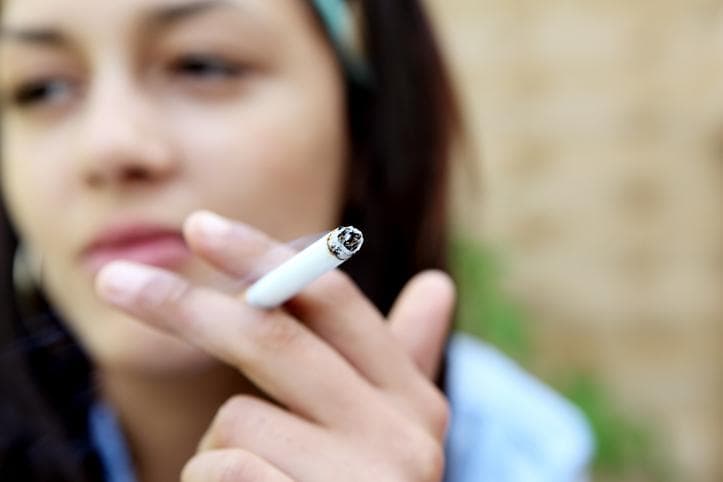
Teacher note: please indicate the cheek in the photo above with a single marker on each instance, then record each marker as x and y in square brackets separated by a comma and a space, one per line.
[34, 183]
[277, 162]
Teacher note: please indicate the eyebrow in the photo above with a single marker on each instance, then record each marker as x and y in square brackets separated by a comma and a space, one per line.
[39, 35]
[166, 16]
[160, 17]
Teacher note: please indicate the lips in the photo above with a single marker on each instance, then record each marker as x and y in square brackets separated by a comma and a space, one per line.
[149, 244]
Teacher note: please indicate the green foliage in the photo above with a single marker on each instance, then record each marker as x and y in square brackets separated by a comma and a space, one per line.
[483, 310]
[626, 447]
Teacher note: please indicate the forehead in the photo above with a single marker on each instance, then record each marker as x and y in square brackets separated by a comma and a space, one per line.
[74, 14]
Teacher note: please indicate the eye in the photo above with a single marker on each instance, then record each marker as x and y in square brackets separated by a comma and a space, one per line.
[200, 66]
[42, 91]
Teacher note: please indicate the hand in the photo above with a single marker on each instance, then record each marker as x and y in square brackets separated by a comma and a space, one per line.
[355, 400]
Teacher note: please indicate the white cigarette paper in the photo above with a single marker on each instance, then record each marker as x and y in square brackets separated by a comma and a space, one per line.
[283, 283]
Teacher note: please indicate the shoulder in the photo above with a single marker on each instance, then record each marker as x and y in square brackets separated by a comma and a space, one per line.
[507, 425]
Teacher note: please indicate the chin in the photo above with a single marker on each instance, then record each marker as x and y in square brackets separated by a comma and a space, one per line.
[119, 343]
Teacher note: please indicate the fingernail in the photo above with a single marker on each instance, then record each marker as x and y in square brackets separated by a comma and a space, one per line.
[120, 282]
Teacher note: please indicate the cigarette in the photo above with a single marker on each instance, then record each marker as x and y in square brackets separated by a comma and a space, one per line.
[284, 282]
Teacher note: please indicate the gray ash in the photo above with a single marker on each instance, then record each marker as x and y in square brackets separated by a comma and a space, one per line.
[344, 242]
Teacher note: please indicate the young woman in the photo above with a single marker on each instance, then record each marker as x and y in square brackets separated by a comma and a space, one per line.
[156, 156]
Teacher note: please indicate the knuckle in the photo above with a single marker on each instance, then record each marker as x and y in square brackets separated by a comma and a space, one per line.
[239, 466]
[414, 452]
[188, 470]
[230, 410]
[228, 466]
[424, 457]
[439, 413]
[278, 334]
[432, 467]
[230, 419]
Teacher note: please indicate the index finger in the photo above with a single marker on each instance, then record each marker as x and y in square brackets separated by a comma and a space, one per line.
[276, 352]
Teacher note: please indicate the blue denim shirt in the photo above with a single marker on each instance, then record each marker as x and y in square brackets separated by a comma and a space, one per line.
[506, 426]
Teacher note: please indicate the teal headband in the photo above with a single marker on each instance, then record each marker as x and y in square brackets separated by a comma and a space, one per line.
[340, 26]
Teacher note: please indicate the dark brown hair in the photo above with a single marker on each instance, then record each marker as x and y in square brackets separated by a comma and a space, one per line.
[402, 124]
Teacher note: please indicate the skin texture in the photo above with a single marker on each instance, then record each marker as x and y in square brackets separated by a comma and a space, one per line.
[235, 108]
[130, 137]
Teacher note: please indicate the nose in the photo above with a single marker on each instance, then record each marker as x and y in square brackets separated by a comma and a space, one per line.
[124, 140]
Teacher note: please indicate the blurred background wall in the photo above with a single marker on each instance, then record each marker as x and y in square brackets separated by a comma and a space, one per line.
[600, 131]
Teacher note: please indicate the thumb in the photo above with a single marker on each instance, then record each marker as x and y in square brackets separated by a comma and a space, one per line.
[421, 317]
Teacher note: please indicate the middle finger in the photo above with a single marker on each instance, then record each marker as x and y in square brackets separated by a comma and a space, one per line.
[333, 307]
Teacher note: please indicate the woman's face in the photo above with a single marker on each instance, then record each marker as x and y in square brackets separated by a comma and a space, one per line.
[121, 118]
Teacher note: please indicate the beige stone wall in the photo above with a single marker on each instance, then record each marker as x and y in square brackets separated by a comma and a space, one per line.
[600, 125]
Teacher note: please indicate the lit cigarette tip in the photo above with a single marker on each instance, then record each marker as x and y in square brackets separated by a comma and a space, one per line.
[345, 242]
